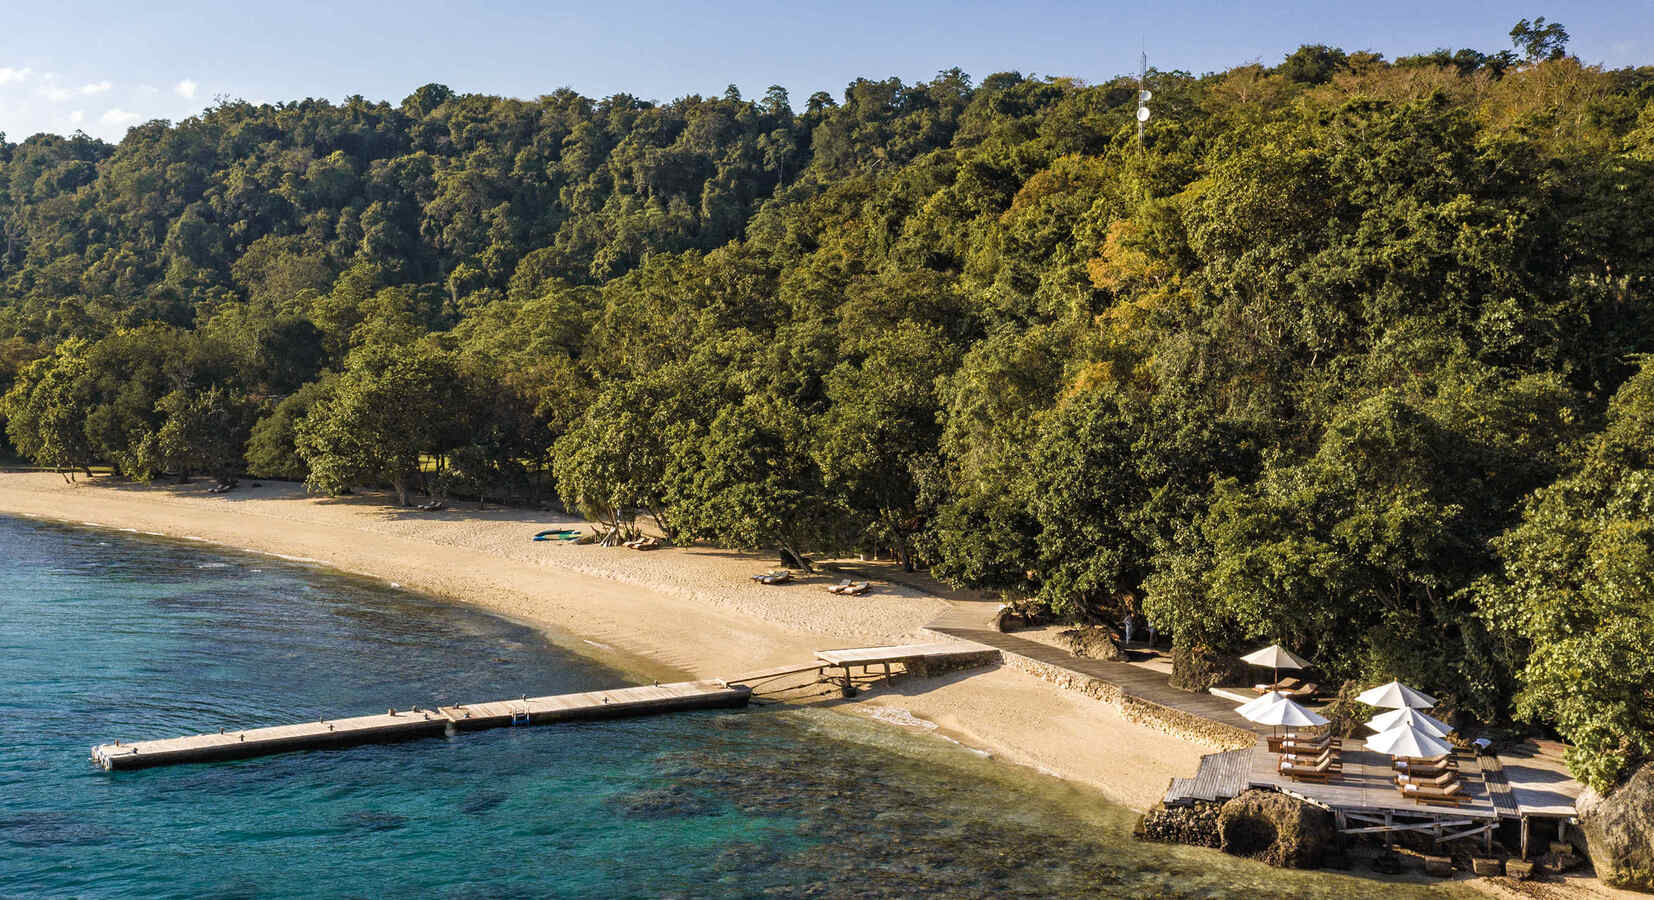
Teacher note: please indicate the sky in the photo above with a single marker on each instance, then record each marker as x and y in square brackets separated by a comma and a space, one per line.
[101, 66]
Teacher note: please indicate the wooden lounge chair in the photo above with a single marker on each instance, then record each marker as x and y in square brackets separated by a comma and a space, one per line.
[1326, 770]
[1284, 685]
[775, 578]
[1303, 744]
[860, 587]
[1310, 759]
[1419, 766]
[1305, 690]
[1443, 780]
[1450, 795]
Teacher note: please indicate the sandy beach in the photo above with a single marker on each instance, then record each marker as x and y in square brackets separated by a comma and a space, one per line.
[671, 613]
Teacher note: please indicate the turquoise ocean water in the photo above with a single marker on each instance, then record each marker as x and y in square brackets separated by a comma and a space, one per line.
[110, 635]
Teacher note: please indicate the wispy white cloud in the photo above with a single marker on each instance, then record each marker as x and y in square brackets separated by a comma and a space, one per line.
[117, 116]
[9, 74]
[58, 94]
[77, 116]
[186, 88]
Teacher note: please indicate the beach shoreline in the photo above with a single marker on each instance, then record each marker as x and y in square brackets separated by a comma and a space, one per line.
[665, 614]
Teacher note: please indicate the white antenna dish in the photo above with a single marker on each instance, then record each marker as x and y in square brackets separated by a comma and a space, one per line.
[1143, 95]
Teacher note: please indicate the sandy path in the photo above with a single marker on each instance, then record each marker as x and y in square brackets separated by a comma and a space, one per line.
[665, 613]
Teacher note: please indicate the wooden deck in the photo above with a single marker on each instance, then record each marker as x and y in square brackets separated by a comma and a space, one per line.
[1221, 776]
[872, 656]
[1367, 786]
[648, 699]
[404, 725]
[276, 739]
[1133, 681]
[1537, 781]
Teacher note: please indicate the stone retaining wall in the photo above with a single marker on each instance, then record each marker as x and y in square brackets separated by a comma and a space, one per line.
[1188, 726]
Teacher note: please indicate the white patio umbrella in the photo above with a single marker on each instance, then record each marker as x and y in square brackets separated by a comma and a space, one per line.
[1286, 712]
[1396, 695]
[1251, 706]
[1277, 658]
[1405, 716]
[1410, 742]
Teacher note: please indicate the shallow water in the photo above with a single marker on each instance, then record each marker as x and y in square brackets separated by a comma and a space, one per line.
[108, 635]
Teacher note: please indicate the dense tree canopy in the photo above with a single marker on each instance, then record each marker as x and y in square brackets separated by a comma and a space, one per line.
[1344, 354]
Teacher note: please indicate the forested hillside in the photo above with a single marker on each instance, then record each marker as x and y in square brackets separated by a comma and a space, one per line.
[1348, 353]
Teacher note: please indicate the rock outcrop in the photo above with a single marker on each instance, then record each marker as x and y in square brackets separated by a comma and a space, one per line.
[1276, 829]
[1093, 642]
[1619, 829]
[1198, 668]
[1195, 824]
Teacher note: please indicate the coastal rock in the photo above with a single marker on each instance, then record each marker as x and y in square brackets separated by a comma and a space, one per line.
[1198, 668]
[1195, 824]
[1275, 829]
[1093, 642]
[1619, 830]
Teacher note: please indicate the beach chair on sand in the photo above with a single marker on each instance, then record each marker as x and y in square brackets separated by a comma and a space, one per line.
[839, 588]
[778, 577]
[855, 588]
[1451, 795]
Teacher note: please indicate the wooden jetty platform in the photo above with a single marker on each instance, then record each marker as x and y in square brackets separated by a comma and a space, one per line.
[911, 657]
[417, 723]
[649, 699]
[631, 701]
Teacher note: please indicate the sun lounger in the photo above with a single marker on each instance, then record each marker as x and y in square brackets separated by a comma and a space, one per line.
[1442, 780]
[1325, 770]
[1445, 761]
[1300, 744]
[774, 578]
[1306, 690]
[1284, 685]
[1311, 759]
[1452, 794]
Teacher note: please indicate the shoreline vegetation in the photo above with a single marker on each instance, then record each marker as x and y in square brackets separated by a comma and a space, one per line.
[1349, 354]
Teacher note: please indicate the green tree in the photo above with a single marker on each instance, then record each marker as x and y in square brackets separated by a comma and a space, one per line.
[1576, 591]
[747, 480]
[390, 408]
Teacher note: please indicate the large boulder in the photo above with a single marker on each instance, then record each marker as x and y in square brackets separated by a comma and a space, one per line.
[1196, 668]
[1277, 829]
[1619, 830]
[1195, 824]
[1093, 642]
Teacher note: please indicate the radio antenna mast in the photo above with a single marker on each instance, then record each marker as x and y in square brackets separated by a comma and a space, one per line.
[1143, 95]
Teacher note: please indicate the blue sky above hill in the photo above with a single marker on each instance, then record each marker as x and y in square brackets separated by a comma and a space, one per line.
[103, 65]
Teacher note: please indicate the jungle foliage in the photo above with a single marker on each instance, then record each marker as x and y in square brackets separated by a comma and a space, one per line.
[1349, 353]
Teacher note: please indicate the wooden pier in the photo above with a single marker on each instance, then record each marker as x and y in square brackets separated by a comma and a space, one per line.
[396, 725]
[417, 723]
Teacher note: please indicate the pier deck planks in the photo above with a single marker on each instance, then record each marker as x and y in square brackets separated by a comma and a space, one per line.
[633, 701]
[1368, 786]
